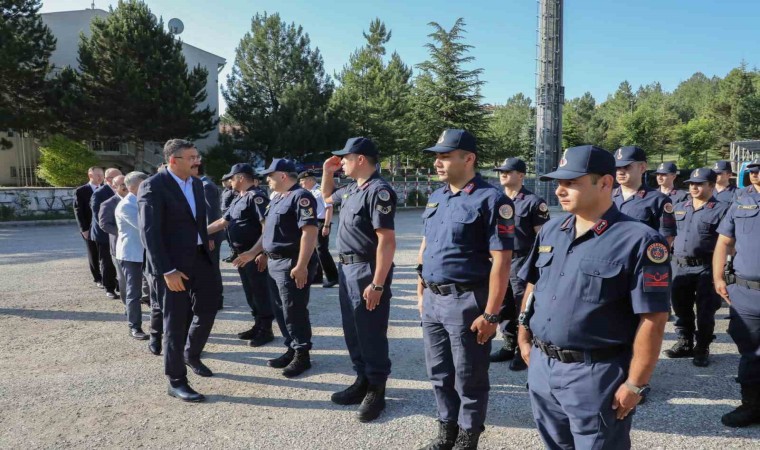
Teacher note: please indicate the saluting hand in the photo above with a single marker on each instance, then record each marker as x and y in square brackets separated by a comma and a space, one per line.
[174, 281]
[299, 274]
[332, 164]
[484, 328]
[624, 401]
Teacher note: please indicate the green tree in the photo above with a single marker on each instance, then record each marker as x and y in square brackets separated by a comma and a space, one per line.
[510, 125]
[576, 120]
[693, 97]
[695, 140]
[64, 162]
[278, 92]
[221, 157]
[604, 128]
[727, 108]
[373, 96]
[652, 123]
[445, 93]
[135, 82]
[25, 48]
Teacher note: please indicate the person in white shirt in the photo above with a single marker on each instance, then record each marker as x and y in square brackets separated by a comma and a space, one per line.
[308, 181]
[129, 253]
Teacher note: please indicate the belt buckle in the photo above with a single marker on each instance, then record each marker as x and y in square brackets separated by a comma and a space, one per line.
[434, 288]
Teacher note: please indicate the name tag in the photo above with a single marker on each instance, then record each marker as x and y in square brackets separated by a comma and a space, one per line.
[747, 206]
[545, 248]
[432, 205]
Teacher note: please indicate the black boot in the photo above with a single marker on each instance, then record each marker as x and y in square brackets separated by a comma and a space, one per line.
[249, 334]
[263, 336]
[467, 440]
[517, 364]
[447, 436]
[373, 403]
[506, 351]
[683, 348]
[282, 360]
[702, 350]
[300, 364]
[748, 412]
[352, 395]
[154, 345]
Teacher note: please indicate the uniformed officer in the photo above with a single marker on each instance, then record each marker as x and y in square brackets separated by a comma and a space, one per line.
[531, 212]
[666, 174]
[288, 242]
[327, 273]
[464, 271]
[228, 196]
[243, 222]
[697, 221]
[366, 245]
[739, 232]
[600, 281]
[637, 200]
[724, 190]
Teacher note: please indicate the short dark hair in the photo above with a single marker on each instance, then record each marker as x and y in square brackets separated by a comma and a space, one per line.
[372, 160]
[93, 168]
[174, 146]
[201, 169]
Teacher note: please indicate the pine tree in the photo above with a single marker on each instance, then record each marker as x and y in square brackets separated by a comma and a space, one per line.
[510, 126]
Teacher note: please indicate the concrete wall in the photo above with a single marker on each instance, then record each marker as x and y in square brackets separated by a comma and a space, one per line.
[37, 201]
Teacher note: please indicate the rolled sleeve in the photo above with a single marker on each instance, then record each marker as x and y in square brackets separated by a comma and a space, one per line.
[650, 281]
[501, 224]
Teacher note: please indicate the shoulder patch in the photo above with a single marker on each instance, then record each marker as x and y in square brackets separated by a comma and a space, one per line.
[656, 279]
[384, 209]
[542, 207]
[657, 253]
[304, 202]
[384, 195]
[668, 208]
[506, 211]
[307, 213]
[258, 200]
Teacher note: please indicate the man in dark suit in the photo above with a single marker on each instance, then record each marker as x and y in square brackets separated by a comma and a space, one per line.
[172, 222]
[83, 214]
[107, 268]
[107, 222]
[213, 213]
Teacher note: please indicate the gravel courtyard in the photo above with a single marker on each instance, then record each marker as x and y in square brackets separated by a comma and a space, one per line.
[70, 375]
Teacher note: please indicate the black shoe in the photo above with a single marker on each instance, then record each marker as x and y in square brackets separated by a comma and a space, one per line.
[447, 436]
[138, 334]
[155, 345]
[467, 440]
[373, 403]
[300, 364]
[517, 364]
[683, 348]
[111, 294]
[145, 300]
[283, 360]
[263, 337]
[506, 352]
[99, 285]
[748, 412]
[199, 368]
[329, 284]
[352, 395]
[701, 355]
[185, 393]
[248, 334]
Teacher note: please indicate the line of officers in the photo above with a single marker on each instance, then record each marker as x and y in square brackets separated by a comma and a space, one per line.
[591, 292]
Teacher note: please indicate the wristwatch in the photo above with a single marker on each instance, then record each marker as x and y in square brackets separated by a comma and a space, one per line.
[375, 287]
[640, 391]
[491, 318]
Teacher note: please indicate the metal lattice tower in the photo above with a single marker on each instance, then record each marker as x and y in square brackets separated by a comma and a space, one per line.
[550, 94]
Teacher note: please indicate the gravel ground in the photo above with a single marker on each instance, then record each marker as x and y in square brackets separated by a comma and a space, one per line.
[70, 376]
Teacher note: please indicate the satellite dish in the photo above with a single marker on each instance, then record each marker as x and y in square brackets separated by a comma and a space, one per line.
[176, 26]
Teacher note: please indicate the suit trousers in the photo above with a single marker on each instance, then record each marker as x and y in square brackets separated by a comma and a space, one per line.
[107, 269]
[132, 293]
[200, 301]
[93, 260]
[120, 279]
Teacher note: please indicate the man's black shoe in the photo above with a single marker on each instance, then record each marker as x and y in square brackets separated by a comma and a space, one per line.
[155, 345]
[467, 440]
[352, 395]
[506, 352]
[283, 360]
[517, 364]
[185, 393]
[300, 364]
[145, 300]
[329, 284]
[748, 412]
[199, 368]
[373, 403]
[248, 334]
[701, 356]
[111, 294]
[263, 337]
[138, 334]
[447, 436]
[683, 348]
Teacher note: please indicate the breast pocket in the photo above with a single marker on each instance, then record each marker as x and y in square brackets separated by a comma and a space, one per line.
[428, 217]
[708, 225]
[281, 214]
[543, 263]
[600, 280]
[642, 215]
[680, 221]
[746, 219]
[462, 224]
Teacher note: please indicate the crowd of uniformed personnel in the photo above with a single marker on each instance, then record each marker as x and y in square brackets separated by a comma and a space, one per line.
[582, 300]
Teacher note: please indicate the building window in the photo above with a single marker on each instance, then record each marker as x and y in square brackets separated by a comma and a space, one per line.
[14, 173]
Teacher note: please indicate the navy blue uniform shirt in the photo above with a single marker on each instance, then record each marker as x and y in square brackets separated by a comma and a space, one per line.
[461, 229]
[726, 195]
[742, 222]
[697, 229]
[590, 290]
[287, 213]
[245, 215]
[678, 196]
[365, 209]
[530, 211]
[650, 207]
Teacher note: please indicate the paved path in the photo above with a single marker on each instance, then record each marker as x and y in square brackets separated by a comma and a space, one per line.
[70, 376]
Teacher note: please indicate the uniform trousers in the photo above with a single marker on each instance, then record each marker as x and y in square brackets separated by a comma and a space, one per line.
[256, 289]
[513, 301]
[744, 329]
[693, 286]
[291, 304]
[365, 331]
[456, 364]
[572, 402]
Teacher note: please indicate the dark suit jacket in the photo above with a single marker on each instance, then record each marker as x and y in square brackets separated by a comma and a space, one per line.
[98, 197]
[107, 221]
[213, 206]
[168, 230]
[82, 210]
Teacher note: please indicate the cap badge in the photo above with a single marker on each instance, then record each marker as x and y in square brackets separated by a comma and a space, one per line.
[619, 154]
[443, 136]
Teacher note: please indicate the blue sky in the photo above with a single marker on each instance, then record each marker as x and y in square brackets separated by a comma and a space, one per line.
[606, 41]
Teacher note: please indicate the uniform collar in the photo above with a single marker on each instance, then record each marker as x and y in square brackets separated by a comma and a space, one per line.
[711, 202]
[641, 193]
[468, 188]
[603, 224]
[521, 195]
[369, 181]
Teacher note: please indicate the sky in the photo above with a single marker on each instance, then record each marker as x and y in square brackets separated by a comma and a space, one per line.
[605, 41]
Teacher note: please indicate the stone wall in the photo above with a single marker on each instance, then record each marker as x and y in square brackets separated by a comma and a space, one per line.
[35, 201]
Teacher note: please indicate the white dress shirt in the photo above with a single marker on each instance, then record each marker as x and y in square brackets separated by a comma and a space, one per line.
[316, 191]
[187, 189]
[128, 244]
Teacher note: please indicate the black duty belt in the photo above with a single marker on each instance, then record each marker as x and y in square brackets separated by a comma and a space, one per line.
[755, 285]
[276, 256]
[692, 261]
[571, 356]
[350, 258]
[450, 288]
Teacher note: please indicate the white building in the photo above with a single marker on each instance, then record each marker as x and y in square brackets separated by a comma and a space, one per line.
[17, 165]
